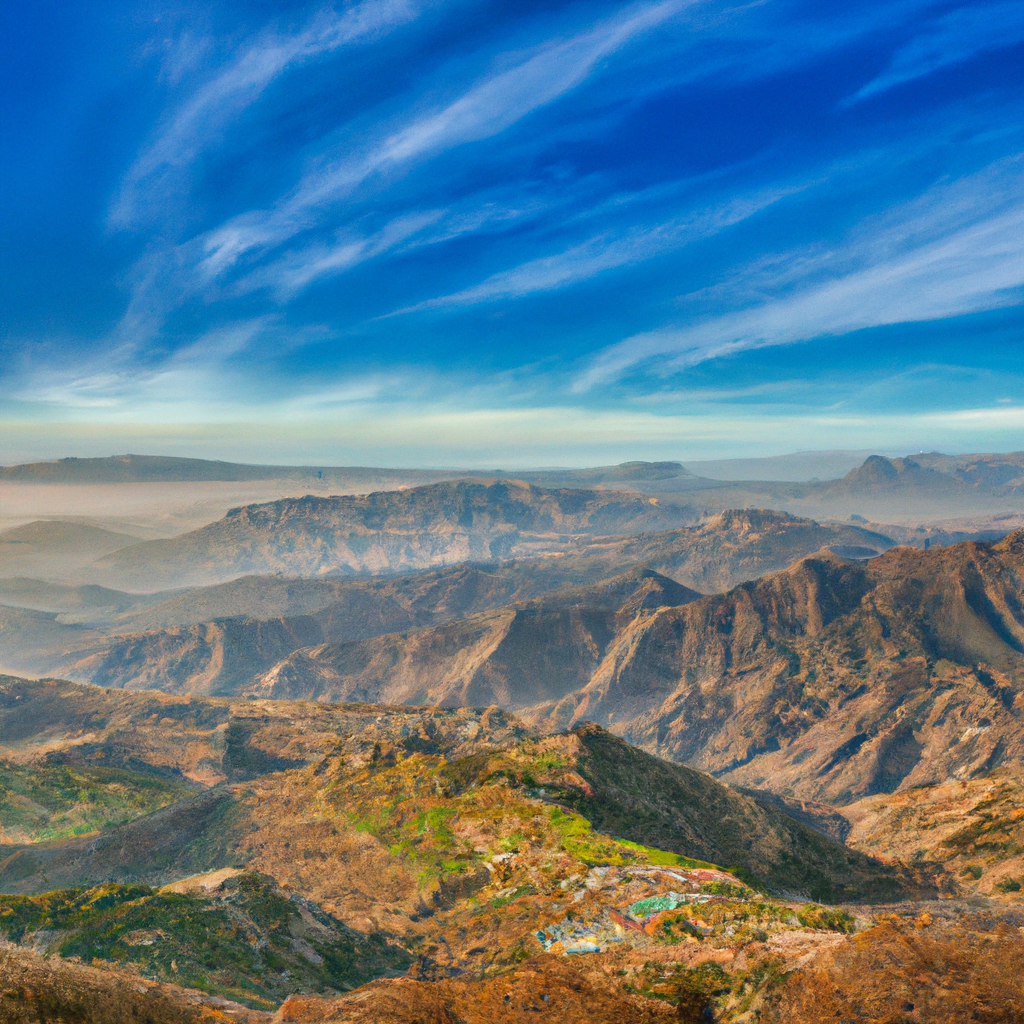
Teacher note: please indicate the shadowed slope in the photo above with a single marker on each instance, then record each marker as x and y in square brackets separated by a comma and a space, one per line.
[829, 680]
[514, 656]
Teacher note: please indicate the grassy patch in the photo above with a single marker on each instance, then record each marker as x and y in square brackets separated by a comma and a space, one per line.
[826, 919]
[251, 943]
[41, 802]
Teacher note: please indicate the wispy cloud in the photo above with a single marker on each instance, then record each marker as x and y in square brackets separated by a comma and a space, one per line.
[117, 380]
[957, 249]
[490, 211]
[483, 111]
[955, 37]
[608, 252]
[193, 126]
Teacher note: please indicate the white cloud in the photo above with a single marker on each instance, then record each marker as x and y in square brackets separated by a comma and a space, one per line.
[484, 110]
[193, 126]
[955, 37]
[608, 252]
[957, 249]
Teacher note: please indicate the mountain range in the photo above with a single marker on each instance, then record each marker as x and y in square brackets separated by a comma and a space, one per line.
[215, 639]
[585, 746]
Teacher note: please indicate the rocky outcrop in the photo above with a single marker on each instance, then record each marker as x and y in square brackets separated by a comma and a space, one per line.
[387, 531]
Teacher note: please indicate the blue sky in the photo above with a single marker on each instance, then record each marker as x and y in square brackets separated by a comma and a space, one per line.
[437, 233]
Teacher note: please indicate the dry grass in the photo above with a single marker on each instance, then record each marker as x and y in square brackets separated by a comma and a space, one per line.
[545, 989]
[902, 973]
[34, 990]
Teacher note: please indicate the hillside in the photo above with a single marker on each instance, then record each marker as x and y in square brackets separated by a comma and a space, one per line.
[513, 657]
[386, 531]
[355, 756]
[310, 847]
[52, 549]
[742, 544]
[831, 680]
[226, 654]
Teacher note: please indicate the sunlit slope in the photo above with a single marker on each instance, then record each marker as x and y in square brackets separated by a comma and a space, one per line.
[387, 531]
[349, 782]
[235, 631]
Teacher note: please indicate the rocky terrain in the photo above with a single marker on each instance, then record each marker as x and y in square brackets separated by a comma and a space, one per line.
[242, 852]
[219, 639]
[387, 531]
[483, 750]
[831, 681]
[256, 849]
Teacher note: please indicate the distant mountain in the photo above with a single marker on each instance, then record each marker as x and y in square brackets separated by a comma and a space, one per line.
[165, 468]
[711, 556]
[797, 467]
[52, 549]
[915, 489]
[135, 468]
[625, 473]
[880, 473]
[388, 531]
[218, 639]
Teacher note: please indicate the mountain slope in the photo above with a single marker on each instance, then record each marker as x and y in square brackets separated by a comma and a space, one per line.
[514, 656]
[829, 681]
[386, 531]
[224, 655]
[50, 549]
[358, 777]
[342, 842]
[228, 655]
[742, 544]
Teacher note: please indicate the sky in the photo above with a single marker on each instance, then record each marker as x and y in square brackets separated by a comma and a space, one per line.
[469, 233]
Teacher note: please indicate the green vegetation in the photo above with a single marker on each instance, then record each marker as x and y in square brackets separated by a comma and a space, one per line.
[701, 993]
[251, 944]
[425, 809]
[826, 919]
[40, 802]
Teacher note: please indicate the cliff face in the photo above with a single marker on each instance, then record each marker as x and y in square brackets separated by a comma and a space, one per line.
[387, 531]
[828, 681]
